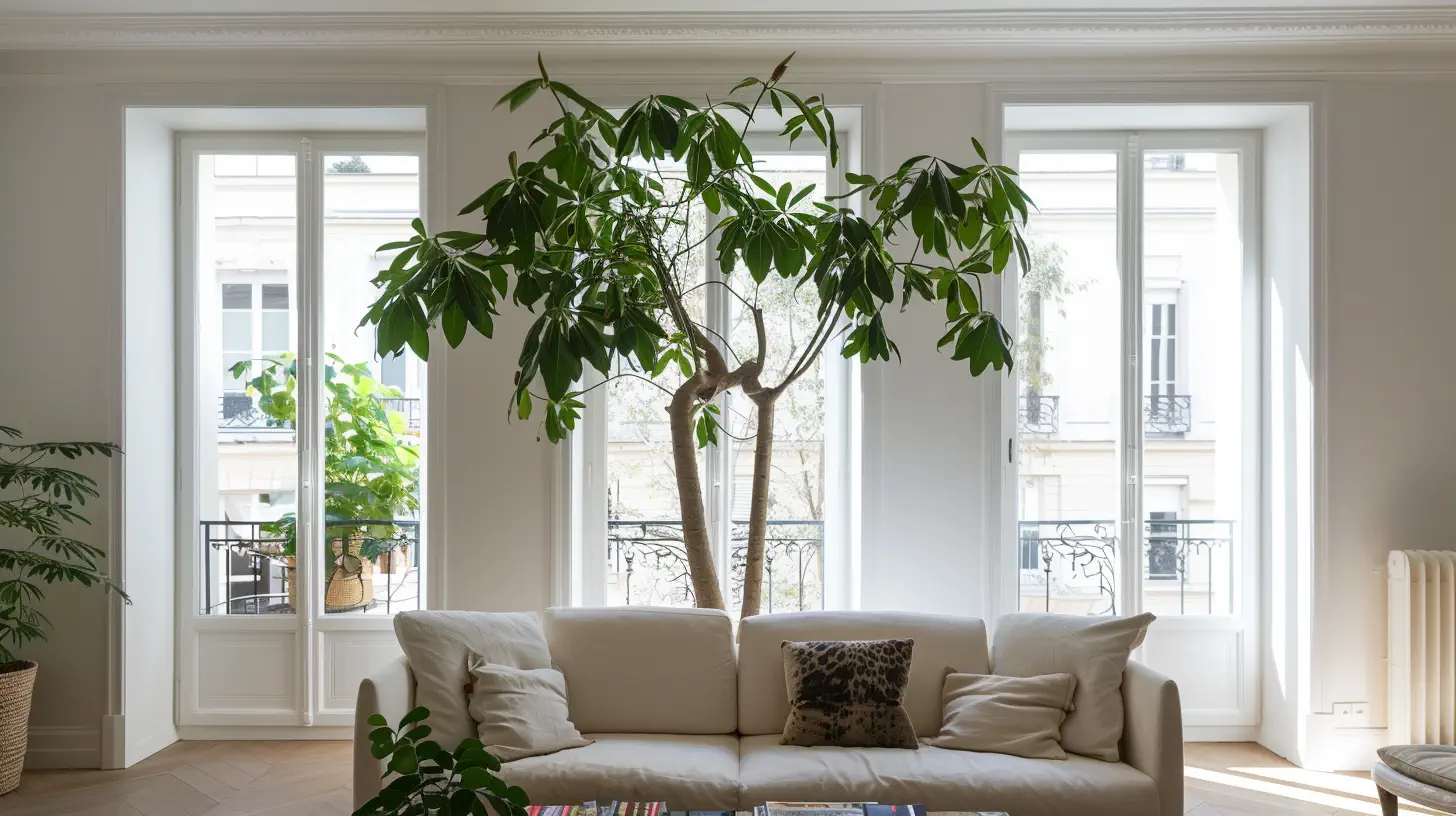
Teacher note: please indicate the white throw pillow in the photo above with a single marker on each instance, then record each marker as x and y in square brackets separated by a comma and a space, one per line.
[1094, 649]
[1020, 716]
[521, 712]
[438, 646]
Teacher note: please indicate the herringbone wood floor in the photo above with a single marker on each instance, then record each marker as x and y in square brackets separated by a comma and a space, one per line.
[312, 779]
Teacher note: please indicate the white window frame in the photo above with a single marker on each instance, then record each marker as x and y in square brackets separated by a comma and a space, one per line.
[307, 297]
[582, 569]
[1130, 146]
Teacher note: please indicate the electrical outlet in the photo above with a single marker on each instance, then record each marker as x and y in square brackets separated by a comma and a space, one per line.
[1352, 715]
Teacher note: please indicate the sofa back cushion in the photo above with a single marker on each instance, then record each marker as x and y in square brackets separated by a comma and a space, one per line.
[646, 670]
[941, 642]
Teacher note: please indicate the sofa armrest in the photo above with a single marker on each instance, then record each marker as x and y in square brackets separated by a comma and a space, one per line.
[389, 691]
[1152, 733]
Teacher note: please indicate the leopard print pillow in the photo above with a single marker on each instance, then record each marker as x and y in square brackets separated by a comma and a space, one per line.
[849, 693]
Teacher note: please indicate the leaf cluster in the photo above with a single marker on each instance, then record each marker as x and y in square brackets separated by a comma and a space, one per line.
[593, 237]
[371, 467]
[42, 502]
[427, 779]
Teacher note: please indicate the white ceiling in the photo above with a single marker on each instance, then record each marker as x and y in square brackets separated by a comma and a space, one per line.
[630, 8]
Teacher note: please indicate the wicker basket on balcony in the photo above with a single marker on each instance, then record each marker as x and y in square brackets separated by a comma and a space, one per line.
[347, 590]
[17, 682]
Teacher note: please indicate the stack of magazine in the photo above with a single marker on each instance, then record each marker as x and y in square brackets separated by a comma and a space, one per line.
[614, 808]
[836, 809]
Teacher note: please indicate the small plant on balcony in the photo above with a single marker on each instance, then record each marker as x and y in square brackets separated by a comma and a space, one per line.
[596, 236]
[42, 503]
[427, 779]
[371, 467]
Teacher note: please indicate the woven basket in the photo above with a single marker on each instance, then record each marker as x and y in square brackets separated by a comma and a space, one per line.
[345, 591]
[17, 680]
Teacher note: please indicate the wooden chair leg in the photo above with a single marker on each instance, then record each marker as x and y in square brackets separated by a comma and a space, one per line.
[1389, 804]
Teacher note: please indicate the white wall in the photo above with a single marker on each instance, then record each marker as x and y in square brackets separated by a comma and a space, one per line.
[149, 478]
[930, 460]
[59, 355]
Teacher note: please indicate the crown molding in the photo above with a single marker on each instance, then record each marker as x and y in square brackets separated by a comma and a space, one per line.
[1112, 30]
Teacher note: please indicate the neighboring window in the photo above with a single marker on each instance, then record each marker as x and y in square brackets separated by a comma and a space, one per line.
[646, 561]
[1162, 547]
[1166, 409]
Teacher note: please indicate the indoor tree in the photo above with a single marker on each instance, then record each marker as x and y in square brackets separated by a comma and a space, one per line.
[593, 236]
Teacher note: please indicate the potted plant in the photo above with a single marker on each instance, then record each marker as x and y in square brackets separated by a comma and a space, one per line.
[371, 472]
[431, 781]
[592, 236]
[39, 503]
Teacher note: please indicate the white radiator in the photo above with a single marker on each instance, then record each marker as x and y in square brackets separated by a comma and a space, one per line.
[1422, 647]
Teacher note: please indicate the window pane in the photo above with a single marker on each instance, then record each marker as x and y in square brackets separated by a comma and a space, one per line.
[275, 296]
[237, 296]
[248, 448]
[373, 430]
[646, 554]
[275, 332]
[1193, 405]
[237, 332]
[794, 551]
[1067, 353]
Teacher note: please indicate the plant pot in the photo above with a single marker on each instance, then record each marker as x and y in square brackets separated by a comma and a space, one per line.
[394, 561]
[348, 590]
[345, 591]
[17, 681]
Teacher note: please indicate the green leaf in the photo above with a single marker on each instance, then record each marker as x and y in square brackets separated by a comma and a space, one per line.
[664, 128]
[758, 255]
[416, 714]
[523, 405]
[763, 185]
[711, 200]
[518, 95]
[474, 778]
[453, 321]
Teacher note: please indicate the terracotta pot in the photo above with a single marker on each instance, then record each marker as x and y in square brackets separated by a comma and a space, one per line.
[17, 681]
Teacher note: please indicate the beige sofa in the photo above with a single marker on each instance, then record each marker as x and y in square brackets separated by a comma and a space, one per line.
[679, 713]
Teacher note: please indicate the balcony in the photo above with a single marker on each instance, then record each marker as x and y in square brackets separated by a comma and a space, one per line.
[647, 564]
[1037, 414]
[1167, 414]
[245, 570]
[1072, 566]
[238, 412]
[1164, 415]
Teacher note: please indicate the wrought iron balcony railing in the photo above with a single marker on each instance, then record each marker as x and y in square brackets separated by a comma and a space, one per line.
[1037, 414]
[238, 412]
[649, 561]
[1167, 414]
[1084, 553]
[245, 571]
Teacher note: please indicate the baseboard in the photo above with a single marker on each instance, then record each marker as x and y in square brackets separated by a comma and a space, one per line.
[263, 732]
[1220, 733]
[63, 747]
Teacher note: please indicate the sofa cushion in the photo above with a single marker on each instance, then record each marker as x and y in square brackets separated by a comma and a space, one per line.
[438, 645]
[939, 778]
[941, 642]
[647, 670]
[1095, 649]
[848, 692]
[689, 772]
[1434, 765]
[522, 712]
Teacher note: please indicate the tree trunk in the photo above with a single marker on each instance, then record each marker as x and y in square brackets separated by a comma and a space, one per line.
[690, 495]
[758, 506]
